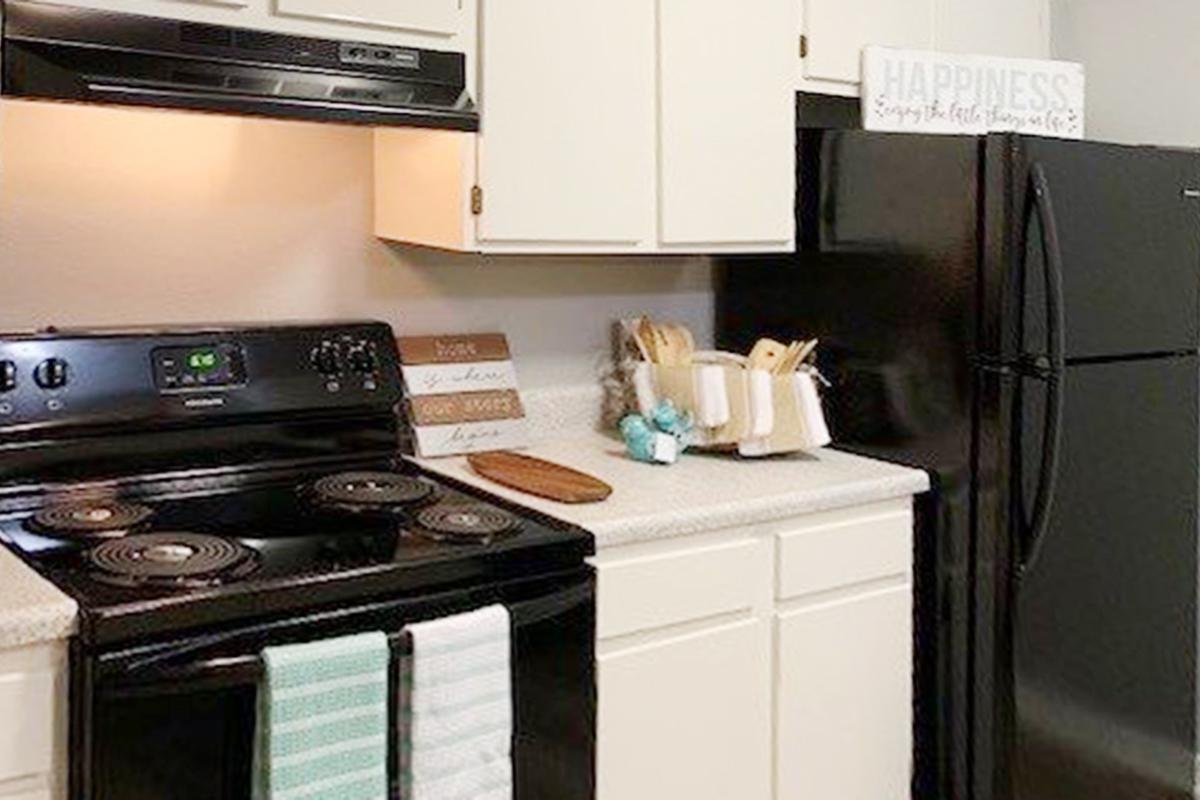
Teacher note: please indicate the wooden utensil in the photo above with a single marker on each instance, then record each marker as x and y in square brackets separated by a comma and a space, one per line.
[766, 354]
[539, 477]
[684, 344]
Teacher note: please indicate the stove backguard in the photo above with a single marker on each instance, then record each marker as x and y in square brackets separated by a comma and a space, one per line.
[105, 405]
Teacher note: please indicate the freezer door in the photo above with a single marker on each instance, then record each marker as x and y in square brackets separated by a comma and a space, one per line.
[887, 278]
[1128, 233]
[1105, 591]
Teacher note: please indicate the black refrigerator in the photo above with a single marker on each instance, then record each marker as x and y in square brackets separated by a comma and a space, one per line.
[1018, 316]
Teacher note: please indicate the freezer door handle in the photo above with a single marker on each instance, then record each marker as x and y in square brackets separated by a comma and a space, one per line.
[1049, 367]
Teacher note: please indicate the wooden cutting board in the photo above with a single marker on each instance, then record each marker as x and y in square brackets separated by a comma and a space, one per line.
[539, 477]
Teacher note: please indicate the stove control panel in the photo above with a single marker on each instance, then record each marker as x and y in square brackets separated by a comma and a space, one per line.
[199, 367]
[180, 375]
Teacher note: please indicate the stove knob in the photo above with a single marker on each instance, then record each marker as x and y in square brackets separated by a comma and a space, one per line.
[362, 360]
[327, 360]
[8, 376]
[51, 374]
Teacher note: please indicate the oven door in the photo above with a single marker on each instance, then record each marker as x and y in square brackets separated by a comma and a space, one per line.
[177, 720]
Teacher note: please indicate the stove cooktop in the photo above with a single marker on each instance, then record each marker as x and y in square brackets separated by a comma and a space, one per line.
[146, 560]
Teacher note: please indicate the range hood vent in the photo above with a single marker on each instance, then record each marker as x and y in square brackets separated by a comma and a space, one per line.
[65, 53]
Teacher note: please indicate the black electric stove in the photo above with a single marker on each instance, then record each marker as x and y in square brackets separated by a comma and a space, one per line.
[155, 557]
[204, 493]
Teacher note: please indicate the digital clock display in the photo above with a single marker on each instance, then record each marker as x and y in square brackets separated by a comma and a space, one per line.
[199, 367]
[203, 361]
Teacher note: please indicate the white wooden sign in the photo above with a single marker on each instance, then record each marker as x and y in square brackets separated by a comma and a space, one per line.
[918, 91]
[462, 394]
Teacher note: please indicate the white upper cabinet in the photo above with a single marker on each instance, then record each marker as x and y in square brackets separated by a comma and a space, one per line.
[1014, 28]
[836, 31]
[433, 24]
[567, 151]
[725, 143]
[439, 17]
[631, 126]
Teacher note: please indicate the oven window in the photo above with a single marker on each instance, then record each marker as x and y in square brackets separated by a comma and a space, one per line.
[188, 746]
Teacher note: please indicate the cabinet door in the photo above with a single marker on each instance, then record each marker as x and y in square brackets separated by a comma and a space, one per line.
[40, 794]
[688, 718]
[28, 700]
[837, 31]
[1014, 28]
[727, 123]
[844, 712]
[566, 153]
[443, 17]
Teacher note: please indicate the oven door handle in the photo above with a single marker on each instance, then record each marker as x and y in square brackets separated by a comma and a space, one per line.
[158, 678]
[201, 675]
[161, 676]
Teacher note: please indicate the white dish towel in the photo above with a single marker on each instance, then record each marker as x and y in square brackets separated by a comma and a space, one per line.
[458, 703]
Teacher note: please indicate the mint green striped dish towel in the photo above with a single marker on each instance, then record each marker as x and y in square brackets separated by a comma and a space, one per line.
[323, 721]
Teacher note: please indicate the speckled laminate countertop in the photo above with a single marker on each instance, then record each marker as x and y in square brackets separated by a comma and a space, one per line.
[702, 492]
[31, 609]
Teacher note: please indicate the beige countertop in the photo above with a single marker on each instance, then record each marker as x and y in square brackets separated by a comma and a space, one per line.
[31, 610]
[702, 492]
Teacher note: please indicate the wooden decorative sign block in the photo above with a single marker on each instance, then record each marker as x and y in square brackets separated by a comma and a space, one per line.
[462, 394]
[915, 91]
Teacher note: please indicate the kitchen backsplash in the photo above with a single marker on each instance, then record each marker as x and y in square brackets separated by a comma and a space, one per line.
[111, 216]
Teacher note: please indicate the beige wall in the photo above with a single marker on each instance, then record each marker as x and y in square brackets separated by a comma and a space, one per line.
[112, 216]
[1142, 66]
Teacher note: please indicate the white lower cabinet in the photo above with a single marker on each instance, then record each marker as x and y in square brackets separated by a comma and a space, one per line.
[688, 717]
[844, 699]
[33, 700]
[774, 662]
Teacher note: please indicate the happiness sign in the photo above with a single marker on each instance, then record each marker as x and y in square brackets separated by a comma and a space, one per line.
[927, 92]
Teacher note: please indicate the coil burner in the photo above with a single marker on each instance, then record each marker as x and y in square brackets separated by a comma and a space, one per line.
[372, 491]
[99, 519]
[170, 560]
[466, 524]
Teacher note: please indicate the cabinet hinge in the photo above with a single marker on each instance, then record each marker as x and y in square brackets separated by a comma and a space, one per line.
[803, 46]
[477, 200]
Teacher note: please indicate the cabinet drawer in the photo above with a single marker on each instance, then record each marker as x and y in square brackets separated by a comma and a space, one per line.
[641, 593]
[843, 551]
[27, 709]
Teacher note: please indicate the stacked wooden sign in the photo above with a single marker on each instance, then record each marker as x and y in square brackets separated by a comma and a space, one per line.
[462, 395]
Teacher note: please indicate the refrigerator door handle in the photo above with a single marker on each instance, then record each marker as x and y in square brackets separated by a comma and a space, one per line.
[1049, 368]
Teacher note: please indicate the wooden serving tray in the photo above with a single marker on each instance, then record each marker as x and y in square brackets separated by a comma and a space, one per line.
[539, 477]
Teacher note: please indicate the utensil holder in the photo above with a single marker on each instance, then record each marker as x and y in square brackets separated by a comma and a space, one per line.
[752, 411]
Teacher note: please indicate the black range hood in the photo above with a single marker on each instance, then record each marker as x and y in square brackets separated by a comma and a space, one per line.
[65, 53]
